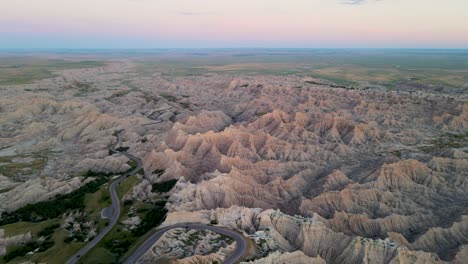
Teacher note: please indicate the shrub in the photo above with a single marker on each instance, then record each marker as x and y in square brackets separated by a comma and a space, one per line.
[152, 218]
[53, 208]
[48, 230]
[122, 149]
[21, 251]
[159, 172]
[46, 245]
[163, 186]
[91, 173]
[28, 247]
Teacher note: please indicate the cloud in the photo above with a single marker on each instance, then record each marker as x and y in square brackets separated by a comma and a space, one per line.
[357, 2]
[185, 13]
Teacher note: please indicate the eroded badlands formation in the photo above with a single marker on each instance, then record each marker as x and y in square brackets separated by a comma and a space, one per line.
[189, 246]
[313, 174]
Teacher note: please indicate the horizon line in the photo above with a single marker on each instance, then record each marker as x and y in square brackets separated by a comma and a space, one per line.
[236, 48]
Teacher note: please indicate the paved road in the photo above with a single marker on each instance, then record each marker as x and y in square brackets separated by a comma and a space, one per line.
[241, 245]
[115, 207]
[113, 213]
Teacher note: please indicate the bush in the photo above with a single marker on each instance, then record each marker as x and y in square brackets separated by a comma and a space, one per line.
[46, 245]
[159, 172]
[21, 251]
[163, 186]
[132, 165]
[79, 237]
[119, 246]
[28, 247]
[91, 173]
[48, 230]
[168, 97]
[128, 202]
[213, 222]
[122, 149]
[53, 208]
[152, 218]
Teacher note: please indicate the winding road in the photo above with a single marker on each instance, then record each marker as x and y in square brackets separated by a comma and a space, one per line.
[241, 244]
[113, 213]
[114, 209]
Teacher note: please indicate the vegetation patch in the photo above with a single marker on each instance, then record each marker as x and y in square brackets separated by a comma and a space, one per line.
[91, 173]
[159, 172]
[152, 218]
[28, 247]
[119, 241]
[26, 70]
[168, 97]
[163, 186]
[122, 149]
[185, 105]
[24, 227]
[446, 141]
[48, 231]
[13, 166]
[127, 185]
[119, 244]
[133, 164]
[83, 88]
[60, 252]
[53, 208]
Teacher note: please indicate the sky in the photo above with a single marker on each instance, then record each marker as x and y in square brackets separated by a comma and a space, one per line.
[233, 24]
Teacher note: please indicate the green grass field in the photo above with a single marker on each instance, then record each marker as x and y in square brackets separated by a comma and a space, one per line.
[60, 251]
[23, 227]
[34, 163]
[100, 254]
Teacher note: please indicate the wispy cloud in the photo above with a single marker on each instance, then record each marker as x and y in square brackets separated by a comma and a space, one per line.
[357, 2]
[185, 13]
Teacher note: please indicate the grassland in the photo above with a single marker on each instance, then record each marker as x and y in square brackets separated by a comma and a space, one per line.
[120, 241]
[13, 166]
[97, 201]
[23, 70]
[127, 185]
[24, 227]
[57, 254]
[93, 202]
[101, 253]
[434, 70]
[446, 141]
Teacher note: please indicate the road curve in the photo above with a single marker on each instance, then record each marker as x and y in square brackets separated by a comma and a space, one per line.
[115, 202]
[241, 244]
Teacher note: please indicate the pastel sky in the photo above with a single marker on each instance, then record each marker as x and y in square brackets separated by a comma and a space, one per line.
[233, 23]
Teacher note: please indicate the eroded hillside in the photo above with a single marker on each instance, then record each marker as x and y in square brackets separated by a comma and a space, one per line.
[312, 172]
